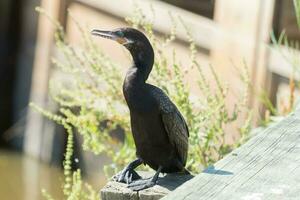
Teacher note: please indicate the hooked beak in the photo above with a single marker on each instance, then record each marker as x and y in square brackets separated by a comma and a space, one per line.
[109, 35]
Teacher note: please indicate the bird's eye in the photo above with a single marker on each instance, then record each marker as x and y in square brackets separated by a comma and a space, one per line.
[120, 33]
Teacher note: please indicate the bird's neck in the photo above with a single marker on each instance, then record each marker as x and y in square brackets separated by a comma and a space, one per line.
[143, 59]
[134, 79]
[133, 86]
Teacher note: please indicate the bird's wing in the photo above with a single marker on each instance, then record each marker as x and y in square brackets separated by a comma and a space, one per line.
[174, 124]
[177, 131]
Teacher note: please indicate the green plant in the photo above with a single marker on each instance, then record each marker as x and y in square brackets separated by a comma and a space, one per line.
[289, 51]
[93, 94]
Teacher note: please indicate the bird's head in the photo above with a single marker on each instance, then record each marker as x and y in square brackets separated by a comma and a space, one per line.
[135, 41]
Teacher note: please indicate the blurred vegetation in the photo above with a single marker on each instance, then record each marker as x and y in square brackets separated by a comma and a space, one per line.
[93, 94]
[289, 50]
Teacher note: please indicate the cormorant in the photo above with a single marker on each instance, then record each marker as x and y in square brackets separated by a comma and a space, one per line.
[159, 130]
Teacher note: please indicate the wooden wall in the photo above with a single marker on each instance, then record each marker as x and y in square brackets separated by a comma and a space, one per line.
[239, 32]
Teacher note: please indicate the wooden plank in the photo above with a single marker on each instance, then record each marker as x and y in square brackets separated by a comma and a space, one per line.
[202, 29]
[266, 167]
[282, 61]
[249, 32]
[236, 47]
[22, 80]
[261, 56]
[34, 132]
[165, 184]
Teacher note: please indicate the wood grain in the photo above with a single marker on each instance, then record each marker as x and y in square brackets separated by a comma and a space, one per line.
[266, 167]
[165, 184]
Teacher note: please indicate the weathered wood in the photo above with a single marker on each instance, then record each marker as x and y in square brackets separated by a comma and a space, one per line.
[202, 29]
[119, 191]
[36, 143]
[266, 167]
[283, 61]
[242, 42]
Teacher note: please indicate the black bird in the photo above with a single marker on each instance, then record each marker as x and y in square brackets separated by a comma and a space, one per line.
[160, 132]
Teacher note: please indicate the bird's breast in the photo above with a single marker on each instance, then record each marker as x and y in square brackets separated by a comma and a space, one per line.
[139, 100]
[148, 129]
[151, 140]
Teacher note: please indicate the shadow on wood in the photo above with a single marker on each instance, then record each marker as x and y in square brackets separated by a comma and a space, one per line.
[265, 167]
[165, 184]
[213, 170]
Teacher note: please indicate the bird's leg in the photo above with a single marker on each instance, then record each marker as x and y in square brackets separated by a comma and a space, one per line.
[127, 175]
[145, 183]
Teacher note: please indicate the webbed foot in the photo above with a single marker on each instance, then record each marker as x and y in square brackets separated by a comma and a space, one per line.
[141, 184]
[127, 176]
[145, 183]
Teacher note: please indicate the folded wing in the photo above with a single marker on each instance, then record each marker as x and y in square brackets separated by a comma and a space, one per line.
[177, 131]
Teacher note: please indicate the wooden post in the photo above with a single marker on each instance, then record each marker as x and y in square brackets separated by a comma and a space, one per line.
[39, 87]
[119, 191]
[246, 29]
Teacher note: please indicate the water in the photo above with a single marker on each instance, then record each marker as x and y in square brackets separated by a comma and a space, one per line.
[23, 178]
